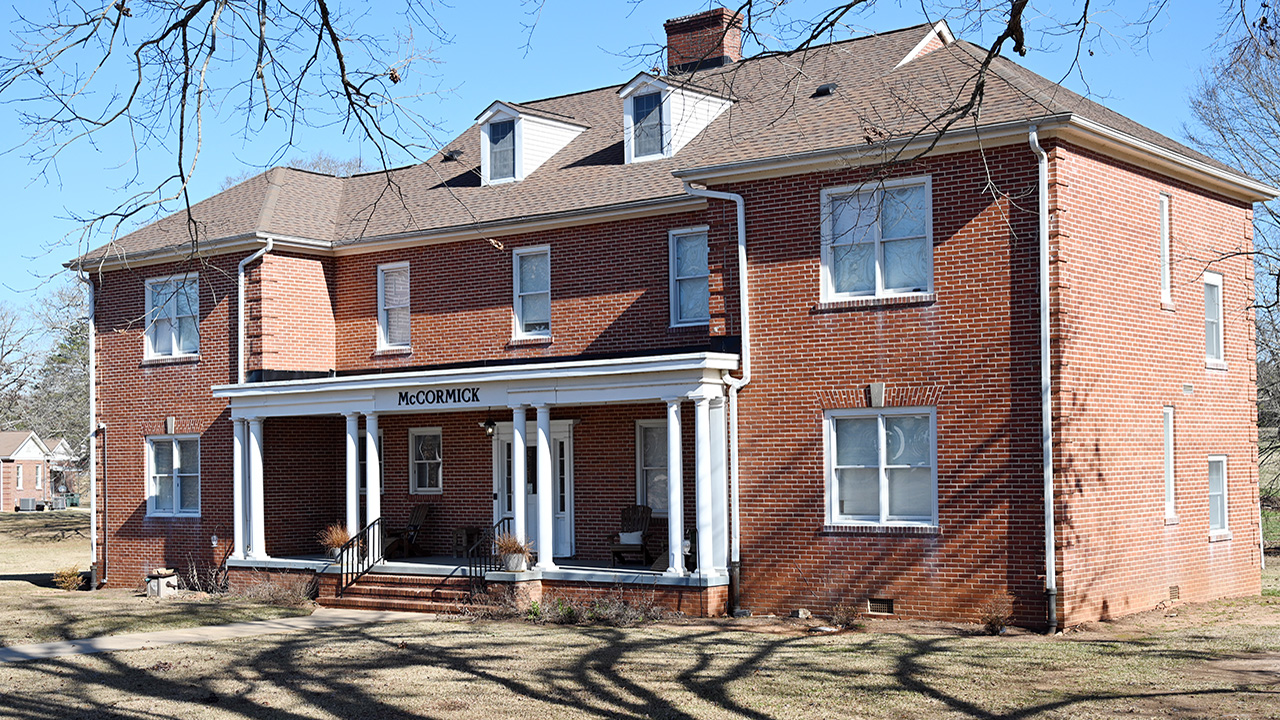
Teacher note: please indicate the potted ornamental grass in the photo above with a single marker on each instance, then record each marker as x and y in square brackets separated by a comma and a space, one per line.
[515, 554]
[333, 537]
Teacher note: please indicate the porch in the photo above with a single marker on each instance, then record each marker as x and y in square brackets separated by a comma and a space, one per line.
[598, 436]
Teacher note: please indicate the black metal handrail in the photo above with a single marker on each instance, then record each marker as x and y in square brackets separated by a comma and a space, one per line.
[360, 554]
[481, 557]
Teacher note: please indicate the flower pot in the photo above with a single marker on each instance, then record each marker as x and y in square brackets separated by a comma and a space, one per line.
[514, 562]
[334, 553]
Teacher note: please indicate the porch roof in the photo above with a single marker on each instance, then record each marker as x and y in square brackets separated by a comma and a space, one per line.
[570, 382]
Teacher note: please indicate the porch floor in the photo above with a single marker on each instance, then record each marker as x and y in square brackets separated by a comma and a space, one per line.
[567, 569]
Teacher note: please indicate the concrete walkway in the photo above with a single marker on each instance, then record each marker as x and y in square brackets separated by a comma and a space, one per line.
[320, 619]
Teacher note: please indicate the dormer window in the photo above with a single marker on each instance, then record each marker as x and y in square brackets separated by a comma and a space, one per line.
[502, 150]
[516, 139]
[646, 124]
[662, 115]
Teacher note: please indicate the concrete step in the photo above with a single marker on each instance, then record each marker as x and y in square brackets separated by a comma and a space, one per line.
[440, 594]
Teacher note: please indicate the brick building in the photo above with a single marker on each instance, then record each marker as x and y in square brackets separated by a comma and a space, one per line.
[954, 351]
[24, 470]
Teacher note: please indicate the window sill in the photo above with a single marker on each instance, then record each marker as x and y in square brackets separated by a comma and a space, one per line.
[871, 303]
[529, 342]
[1215, 365]
[174, 516]
[1168, 306]
[881, 529]
[426, 492]
[393, 351]
[1171, 520]
[1219, 535]
[689, 327]
[170, 360]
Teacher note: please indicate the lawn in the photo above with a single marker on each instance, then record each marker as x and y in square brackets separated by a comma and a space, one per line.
[34, 545]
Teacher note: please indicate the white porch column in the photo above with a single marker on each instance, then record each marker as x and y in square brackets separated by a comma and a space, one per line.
[719, 485]
[675, 491]
[372, 480]
[237, 489]
[546, 528]
[702, 486]
[353, 473]
[257, 494]
[519, 474]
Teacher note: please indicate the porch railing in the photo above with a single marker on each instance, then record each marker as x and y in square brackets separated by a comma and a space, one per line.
[481, 557]
[360, 554]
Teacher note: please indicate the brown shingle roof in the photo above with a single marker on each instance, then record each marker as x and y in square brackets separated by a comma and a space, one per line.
[11, 440]
[774, 115]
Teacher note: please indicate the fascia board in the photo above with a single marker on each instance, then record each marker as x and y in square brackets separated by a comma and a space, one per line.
[210, 248]
[640, 81]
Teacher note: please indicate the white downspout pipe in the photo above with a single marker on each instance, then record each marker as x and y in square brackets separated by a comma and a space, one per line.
[240, 322]
[735, 384]
[1046, 410]
[84, 277]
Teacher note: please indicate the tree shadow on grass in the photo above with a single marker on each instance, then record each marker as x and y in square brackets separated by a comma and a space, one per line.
[430, 670]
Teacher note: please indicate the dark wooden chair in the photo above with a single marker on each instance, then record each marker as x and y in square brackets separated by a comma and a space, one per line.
[407, 538]
[634, 519]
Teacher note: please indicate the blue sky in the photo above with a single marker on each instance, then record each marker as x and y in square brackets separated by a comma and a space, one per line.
[576, 45]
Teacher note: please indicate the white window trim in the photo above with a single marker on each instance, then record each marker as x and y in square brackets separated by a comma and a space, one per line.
[1211, 278]
[672, 279]
[517, 308]
[148, 341]
[1166, 250]
[828, 452]
[1169, 435]
[1226, 514]
[517, 133]
[382, 465]
[177, 511]
[39, 477]
[641, 497]
[413, 485]
[383, 343]
[628, 123]
[827, 291]
[17, 476]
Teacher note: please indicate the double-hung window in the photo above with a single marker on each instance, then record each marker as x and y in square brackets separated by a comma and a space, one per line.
[646, 124]
[1218, 493]
[1170, 502]
[174, 469]
[393, 306]
[532, 299]
[425, 461]
[877, 239]
[1166, 254]
[17, 476]
[39, 477]
[173, 316]
[502, 150]
[1213, 319]
[651, 465]
[690, 298]
[881, 466]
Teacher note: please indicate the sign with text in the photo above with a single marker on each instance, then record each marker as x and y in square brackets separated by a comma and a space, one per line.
[429, 399]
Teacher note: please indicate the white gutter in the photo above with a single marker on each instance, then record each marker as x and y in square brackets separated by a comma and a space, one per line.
[1046, 411]
[735, 384]
[240, 323]
[93, 427]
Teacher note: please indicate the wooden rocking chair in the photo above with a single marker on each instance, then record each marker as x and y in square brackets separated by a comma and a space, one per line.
[406, 539]
[631, 534]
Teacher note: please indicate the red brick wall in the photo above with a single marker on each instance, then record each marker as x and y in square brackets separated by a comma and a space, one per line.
[608, 294]
[1121, 359]
[971, 354]
[297, 310]
[9, 478]
[134, 399]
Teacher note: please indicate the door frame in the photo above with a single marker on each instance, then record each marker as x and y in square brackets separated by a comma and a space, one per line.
[560, 430]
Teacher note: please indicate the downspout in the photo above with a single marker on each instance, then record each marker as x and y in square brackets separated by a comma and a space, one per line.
[1046, 410]
[735, 384]
[240, 322]
[93, 432]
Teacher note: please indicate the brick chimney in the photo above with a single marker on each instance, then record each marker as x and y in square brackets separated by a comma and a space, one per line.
[706, 40]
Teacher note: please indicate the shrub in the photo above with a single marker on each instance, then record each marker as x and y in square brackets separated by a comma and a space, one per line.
[333, 536]
[995, 612]
[68, 578]
[535, 612]
[847, 615]
[285, 590]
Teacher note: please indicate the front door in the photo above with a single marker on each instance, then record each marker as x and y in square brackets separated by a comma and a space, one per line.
[562, 483]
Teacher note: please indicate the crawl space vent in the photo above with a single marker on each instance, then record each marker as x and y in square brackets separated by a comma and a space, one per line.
[1175, 592]
[880, 606]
